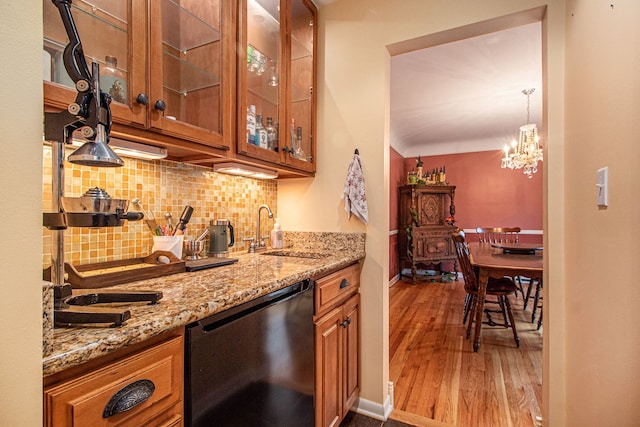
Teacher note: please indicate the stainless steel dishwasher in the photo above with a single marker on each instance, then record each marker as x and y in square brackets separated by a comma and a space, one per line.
[253, 365]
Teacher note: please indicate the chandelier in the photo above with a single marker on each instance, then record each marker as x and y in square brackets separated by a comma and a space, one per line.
[526, 152]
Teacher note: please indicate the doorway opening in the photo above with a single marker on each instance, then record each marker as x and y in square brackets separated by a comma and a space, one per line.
[469, 146]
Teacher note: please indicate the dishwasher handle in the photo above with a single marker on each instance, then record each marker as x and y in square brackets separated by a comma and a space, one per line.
[227, 316]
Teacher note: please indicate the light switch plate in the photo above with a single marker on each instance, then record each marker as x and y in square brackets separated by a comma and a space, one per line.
[603, 184]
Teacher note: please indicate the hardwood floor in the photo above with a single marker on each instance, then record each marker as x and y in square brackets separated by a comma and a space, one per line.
[437, 375]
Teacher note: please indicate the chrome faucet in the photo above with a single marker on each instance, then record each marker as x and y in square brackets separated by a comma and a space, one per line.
[259, 244]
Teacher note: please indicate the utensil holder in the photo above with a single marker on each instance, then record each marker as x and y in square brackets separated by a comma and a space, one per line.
[171, 244]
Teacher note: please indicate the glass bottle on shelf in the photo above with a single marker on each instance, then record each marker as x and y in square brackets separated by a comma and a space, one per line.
[298, 150]
[249, 57]
[113, 80]
[261, 133]
[292, 134]
[251, 125]
[260, 34]
[272, 135]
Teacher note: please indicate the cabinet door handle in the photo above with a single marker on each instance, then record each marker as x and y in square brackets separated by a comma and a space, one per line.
[348, 320]
[344, 283]
[160, 105]
[142, 99]
[344, 324]
[129, 397]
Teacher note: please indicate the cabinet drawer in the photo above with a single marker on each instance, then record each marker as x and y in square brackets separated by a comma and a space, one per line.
[154, 374]
[336, 287]
[433, 244]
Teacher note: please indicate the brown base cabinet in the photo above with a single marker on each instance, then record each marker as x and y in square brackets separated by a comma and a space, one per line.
[337, 338]
[143, 388]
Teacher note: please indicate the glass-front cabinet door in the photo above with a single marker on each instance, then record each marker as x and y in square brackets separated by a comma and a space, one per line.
[301, 96]
[111, 31]
[260, 81]
[190, 90]
[276, 79]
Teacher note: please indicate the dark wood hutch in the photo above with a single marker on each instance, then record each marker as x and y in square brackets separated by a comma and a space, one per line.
[424, 238]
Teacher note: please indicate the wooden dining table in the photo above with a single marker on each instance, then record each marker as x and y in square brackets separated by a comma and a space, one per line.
[496, 262]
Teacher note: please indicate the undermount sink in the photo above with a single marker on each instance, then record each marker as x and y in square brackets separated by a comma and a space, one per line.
[297, 254]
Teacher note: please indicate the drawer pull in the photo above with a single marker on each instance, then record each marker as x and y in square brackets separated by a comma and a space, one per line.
[129, 397]
[344, 283]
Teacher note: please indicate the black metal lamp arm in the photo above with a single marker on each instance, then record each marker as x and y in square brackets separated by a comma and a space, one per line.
[74, 60]
[92, 106]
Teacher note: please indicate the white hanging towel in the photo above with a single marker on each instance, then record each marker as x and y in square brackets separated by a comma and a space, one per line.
[355, 196]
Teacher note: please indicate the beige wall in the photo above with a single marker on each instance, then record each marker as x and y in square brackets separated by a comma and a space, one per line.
[353, 100]
[602, 293]
[21, 195]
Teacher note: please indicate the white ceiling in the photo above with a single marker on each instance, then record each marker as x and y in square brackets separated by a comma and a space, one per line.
[466, 95]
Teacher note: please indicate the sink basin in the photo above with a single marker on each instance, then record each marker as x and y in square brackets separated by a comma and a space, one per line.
[297, 254]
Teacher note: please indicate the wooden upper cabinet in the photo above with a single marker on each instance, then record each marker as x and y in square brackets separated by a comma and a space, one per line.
[302, 77]
[111, 32]
[261, 80]
[168, 65]
[190, 58]
[276, 80]
[183, 74]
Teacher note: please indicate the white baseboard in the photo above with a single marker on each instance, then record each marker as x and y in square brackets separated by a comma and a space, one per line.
[394, 280]
[375, 410]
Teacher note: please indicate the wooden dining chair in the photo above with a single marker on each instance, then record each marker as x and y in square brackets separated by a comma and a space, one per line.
[500, 288]
[537, 299]
[498, 234]
[505, 235]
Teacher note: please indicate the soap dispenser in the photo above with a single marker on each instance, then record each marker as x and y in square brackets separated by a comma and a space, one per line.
[277, 236]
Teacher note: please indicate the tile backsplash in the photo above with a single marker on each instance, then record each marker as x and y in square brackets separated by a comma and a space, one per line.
[162, 186]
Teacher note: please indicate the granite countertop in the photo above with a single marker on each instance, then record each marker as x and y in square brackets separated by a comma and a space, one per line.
[191, 296]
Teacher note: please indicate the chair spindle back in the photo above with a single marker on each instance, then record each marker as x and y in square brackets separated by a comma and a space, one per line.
[462, 251]
[498, 235]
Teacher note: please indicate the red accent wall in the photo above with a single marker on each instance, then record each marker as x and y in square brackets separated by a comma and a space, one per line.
[486, 194]
[489, 196]
[397, 177]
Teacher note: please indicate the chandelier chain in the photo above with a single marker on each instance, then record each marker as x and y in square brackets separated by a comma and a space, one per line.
[528, 92]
